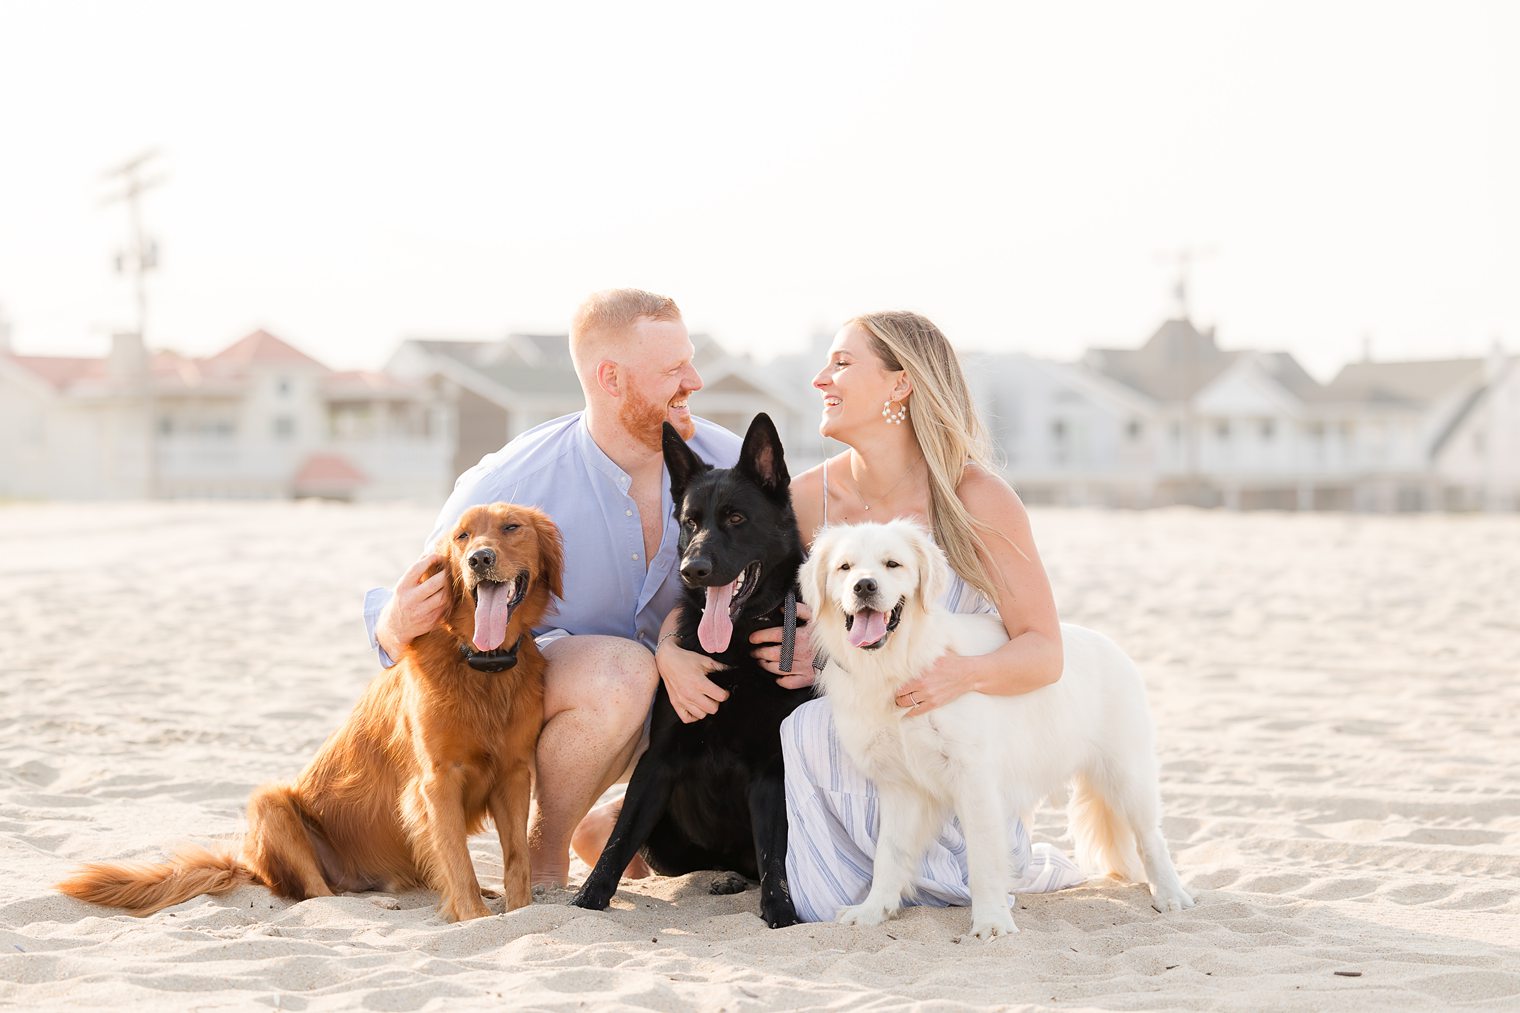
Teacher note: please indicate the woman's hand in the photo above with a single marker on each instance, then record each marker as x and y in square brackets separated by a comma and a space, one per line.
[768, 652]
[693, 695]
[948, 678]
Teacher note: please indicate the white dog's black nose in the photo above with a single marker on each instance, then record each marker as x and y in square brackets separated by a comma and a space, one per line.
[865, 586]
[482, 559]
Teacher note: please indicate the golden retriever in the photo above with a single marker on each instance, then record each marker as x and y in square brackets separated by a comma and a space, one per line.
[875, 590]
[436, 744]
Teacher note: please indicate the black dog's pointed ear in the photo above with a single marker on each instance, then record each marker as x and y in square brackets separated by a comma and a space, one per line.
[761, 457]
[682, 463]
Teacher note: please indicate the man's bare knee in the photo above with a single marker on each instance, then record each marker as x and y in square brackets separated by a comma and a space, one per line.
[608, 682]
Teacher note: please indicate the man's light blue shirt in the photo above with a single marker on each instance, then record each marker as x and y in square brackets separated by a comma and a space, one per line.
[558, 468]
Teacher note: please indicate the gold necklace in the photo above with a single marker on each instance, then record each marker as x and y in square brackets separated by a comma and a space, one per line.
[861, 496]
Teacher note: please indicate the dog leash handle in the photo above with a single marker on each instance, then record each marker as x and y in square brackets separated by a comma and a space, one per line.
[788, 628]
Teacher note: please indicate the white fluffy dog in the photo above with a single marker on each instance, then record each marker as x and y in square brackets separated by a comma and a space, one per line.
[876, 589]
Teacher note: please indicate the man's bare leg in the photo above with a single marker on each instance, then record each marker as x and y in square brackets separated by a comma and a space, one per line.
[591, 837]
[597, 692]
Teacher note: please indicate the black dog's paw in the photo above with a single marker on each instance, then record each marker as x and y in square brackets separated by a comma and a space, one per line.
[780, 919]
[778, 912]
[591, 899]
[727, 882]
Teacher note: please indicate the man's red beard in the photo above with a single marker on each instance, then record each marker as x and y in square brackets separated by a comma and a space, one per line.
[643, 419]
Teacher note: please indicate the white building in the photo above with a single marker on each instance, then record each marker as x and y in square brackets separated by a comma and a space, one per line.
[498, 389]
[1250, 429]
[260, 419]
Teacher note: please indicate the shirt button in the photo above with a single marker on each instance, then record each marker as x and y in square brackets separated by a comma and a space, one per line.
[627, 513]
[635, 556]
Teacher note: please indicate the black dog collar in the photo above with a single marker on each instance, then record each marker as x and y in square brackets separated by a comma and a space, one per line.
[498, 660]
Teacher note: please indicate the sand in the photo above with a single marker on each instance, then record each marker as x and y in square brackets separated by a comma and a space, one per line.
[1336, 699]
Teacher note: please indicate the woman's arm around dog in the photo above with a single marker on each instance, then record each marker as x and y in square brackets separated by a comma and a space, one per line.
[1032, 658]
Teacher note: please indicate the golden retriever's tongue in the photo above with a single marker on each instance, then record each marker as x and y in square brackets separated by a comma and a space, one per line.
[493, 607]
[869, 627]
[716, 628]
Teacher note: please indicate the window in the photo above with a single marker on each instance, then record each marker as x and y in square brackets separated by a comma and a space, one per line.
[1222, 429]
[1058, 430]
[284, 427]
[282, 386]
[1134, 430]
[1268, 430]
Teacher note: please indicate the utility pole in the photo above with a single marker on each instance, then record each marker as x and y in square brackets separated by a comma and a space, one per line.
[142, 255]
[137, 176]
[1183, 257]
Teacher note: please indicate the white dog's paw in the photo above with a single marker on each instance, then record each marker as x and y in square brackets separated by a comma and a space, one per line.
[1172, 899]
[992, 924]
[865, 914]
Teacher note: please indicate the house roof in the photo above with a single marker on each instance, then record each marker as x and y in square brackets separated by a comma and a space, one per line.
[60, 372]
[220, 374]
[1470, 404]
[1175, 362]
[328, 472]
[1412, 382]
[260, 349]
[362, 382]
[539, 363]
[1283, 368]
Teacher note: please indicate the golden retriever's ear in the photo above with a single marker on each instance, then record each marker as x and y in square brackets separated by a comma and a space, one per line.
[813, 578]
[933, 568]
[444, 550]
[551, 554]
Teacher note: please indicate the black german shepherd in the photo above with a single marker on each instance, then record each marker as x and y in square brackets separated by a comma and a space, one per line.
[708, 795]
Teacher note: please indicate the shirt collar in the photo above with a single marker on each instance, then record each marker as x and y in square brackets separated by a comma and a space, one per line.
[598, 459]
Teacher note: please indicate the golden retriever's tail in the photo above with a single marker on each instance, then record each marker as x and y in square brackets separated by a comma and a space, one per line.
[143, 888]
[1104, 841]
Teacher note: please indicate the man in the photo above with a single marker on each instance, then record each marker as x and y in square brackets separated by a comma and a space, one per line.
[600, 475]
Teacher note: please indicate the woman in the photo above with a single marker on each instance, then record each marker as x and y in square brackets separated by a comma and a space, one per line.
[894, 394]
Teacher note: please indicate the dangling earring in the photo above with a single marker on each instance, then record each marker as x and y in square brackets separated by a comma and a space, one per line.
[894, 418]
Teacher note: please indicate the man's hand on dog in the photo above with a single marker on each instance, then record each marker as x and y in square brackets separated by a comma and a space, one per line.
[418, 603]
[768, 652]
[693, 695]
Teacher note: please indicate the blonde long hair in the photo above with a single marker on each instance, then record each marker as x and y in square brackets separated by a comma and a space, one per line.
[949, 431]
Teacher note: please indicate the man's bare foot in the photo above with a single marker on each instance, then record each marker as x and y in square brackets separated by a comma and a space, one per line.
[591, 835]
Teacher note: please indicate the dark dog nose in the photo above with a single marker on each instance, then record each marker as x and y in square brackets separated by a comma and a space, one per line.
[697, 569]
[482, 559]
[865, 586]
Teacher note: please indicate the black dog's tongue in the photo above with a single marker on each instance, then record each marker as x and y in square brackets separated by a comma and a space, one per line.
[717, 626]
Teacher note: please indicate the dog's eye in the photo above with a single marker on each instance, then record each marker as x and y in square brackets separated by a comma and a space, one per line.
[893, 564]
[690, 523]
[507, 529]
[844, 566]
[461, 536]
[736, 518]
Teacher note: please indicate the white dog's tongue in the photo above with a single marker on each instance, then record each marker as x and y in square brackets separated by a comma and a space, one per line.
[869, 627]
[716, 628]
[493, 608]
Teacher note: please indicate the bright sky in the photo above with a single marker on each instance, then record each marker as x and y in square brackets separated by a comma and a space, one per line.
[346, 174]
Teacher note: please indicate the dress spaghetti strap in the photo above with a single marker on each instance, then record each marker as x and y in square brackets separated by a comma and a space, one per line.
[825, 492]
